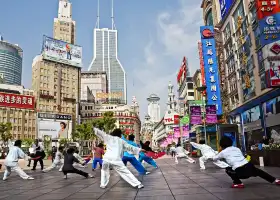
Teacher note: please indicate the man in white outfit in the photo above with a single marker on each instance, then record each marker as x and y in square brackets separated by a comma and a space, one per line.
[113, 157]
[182, 153]
[11, 161]
[207, 153]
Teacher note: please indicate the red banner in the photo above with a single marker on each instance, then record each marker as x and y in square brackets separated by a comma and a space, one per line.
[16, 101]
[183, 71]
[267, 8]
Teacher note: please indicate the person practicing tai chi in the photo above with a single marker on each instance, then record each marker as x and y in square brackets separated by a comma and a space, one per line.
[240, 168]
[11, 161]
[69, 160]
[207, 153]
[83, 161]
[57, 161]
[129, 157]
[182, 153]
[143, 157]
[113, 157]
[98, 153]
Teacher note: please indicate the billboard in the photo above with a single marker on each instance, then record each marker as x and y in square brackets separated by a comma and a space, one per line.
[103, 95]
[16, 101]
[211, 115]
[201, 63]
[270, 29]
[54, 125]
[225, 6]
[211, 68]
[171, 118]
[267, 8]
[63, 52]
[195, 112]
[183, 72]
[271, 56]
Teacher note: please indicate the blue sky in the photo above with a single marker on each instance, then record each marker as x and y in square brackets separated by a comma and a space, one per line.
[154, 35]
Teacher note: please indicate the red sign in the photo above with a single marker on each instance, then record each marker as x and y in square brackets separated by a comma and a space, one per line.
[183, 71]
[267, 8]
[176, 119]
[168, 120]
[16, 101]
[201, 63]
[206, 33]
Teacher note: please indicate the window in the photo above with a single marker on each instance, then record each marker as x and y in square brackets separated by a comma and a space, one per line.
[190, 93]
[209, 18]
[227, 32]
[190, 85]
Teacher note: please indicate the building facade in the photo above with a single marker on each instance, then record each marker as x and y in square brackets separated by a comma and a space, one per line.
[64, 27]
[17, 106]
[147, 129]
[97, 84]
[105, 58]
[10, 63]
[154, 108]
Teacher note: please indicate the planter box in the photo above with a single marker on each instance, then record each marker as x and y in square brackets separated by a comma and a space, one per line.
[270, 157]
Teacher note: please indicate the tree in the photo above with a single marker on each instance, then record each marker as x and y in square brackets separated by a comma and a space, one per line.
[5, 132]
[27, 142]
[106, 123]
[84, 132]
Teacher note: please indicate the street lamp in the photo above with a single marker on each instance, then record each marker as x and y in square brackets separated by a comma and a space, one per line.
[201, 89]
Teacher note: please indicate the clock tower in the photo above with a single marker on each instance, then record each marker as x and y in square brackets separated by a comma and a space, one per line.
[64, 26]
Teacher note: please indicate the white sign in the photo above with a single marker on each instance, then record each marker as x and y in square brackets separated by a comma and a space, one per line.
[169, 117]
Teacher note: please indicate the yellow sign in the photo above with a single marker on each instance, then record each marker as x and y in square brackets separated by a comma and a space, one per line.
[247, 81]
[103, 95]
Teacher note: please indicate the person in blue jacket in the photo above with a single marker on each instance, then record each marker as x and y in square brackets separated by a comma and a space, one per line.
[129, 157]
[143, 157]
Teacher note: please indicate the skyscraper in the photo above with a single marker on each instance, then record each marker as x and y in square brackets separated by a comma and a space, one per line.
[105, 58]
[64, 26]
[154, 108]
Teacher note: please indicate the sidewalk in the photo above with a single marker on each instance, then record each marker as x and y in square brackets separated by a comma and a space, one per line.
[23, 164]
[183, 181]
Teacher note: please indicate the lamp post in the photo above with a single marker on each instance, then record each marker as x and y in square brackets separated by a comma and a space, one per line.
[201, 89]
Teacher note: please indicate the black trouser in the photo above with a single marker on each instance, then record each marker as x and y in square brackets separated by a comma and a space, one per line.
[75, 171]
[41, 163]
[247, 171]
[173, 153]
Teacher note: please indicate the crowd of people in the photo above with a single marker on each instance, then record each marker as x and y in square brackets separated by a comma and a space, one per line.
[121, 150]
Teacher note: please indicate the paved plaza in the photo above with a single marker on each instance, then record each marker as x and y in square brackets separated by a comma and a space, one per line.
[181, 182]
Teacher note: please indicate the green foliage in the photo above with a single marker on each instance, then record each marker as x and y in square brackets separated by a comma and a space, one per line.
[27, 142]
[84, 132]
[5, 132]
[63, 142]
[109, 121]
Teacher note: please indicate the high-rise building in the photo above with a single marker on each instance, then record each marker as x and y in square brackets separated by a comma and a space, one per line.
[64, 27]
[56, 79]
[153, 108]
[10, 63]
[105, 58]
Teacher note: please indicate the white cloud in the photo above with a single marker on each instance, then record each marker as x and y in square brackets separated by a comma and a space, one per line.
[177, 34]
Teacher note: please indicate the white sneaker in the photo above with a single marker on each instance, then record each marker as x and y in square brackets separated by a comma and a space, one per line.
[90, 176]
[103, 187]
[65, 177]
[148, 173]
[140, 186]
[30, 178]
[5, 178]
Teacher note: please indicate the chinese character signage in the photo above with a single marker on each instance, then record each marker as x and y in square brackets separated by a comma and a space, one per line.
[211, 115]
[196, 117]
[225, 6]
[16, 101]
[60, 51]
[270, 29]
[177, 133]
[267, 8]
[201, 63]
[186, 132]
[211, 68]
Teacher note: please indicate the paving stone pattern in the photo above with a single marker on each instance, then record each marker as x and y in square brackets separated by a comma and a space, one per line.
[183, 181]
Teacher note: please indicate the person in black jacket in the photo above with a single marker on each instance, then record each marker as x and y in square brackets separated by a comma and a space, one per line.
[69, 159]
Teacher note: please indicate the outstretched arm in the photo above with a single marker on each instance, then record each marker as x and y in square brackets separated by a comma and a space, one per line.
[101, 134]
[218, 157]
[128, 147]
[197, 146]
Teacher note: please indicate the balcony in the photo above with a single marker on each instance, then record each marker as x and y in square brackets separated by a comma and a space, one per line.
[69, 99]
[46, 96]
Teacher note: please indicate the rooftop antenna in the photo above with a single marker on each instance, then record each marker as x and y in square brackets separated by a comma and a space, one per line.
[112, 17]
[98, 16]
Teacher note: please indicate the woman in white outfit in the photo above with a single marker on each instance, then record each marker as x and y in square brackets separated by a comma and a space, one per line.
[182, 153]
[57, 161]
[207, 153]
[11, 161]
[113, 157]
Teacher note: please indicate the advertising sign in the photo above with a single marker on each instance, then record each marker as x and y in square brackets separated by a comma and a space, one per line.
[211, 68]
[211, 114]
[186, 131]
[225, 6]
[176, 132]
[201, 63]
[267, 8]
[185, 120]
[171, 118]
[16, 101]
[54, 125]
[270, 29]
[103, 95]
[196, 117]
[271, 55]
[60, 51]
[182, 74]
